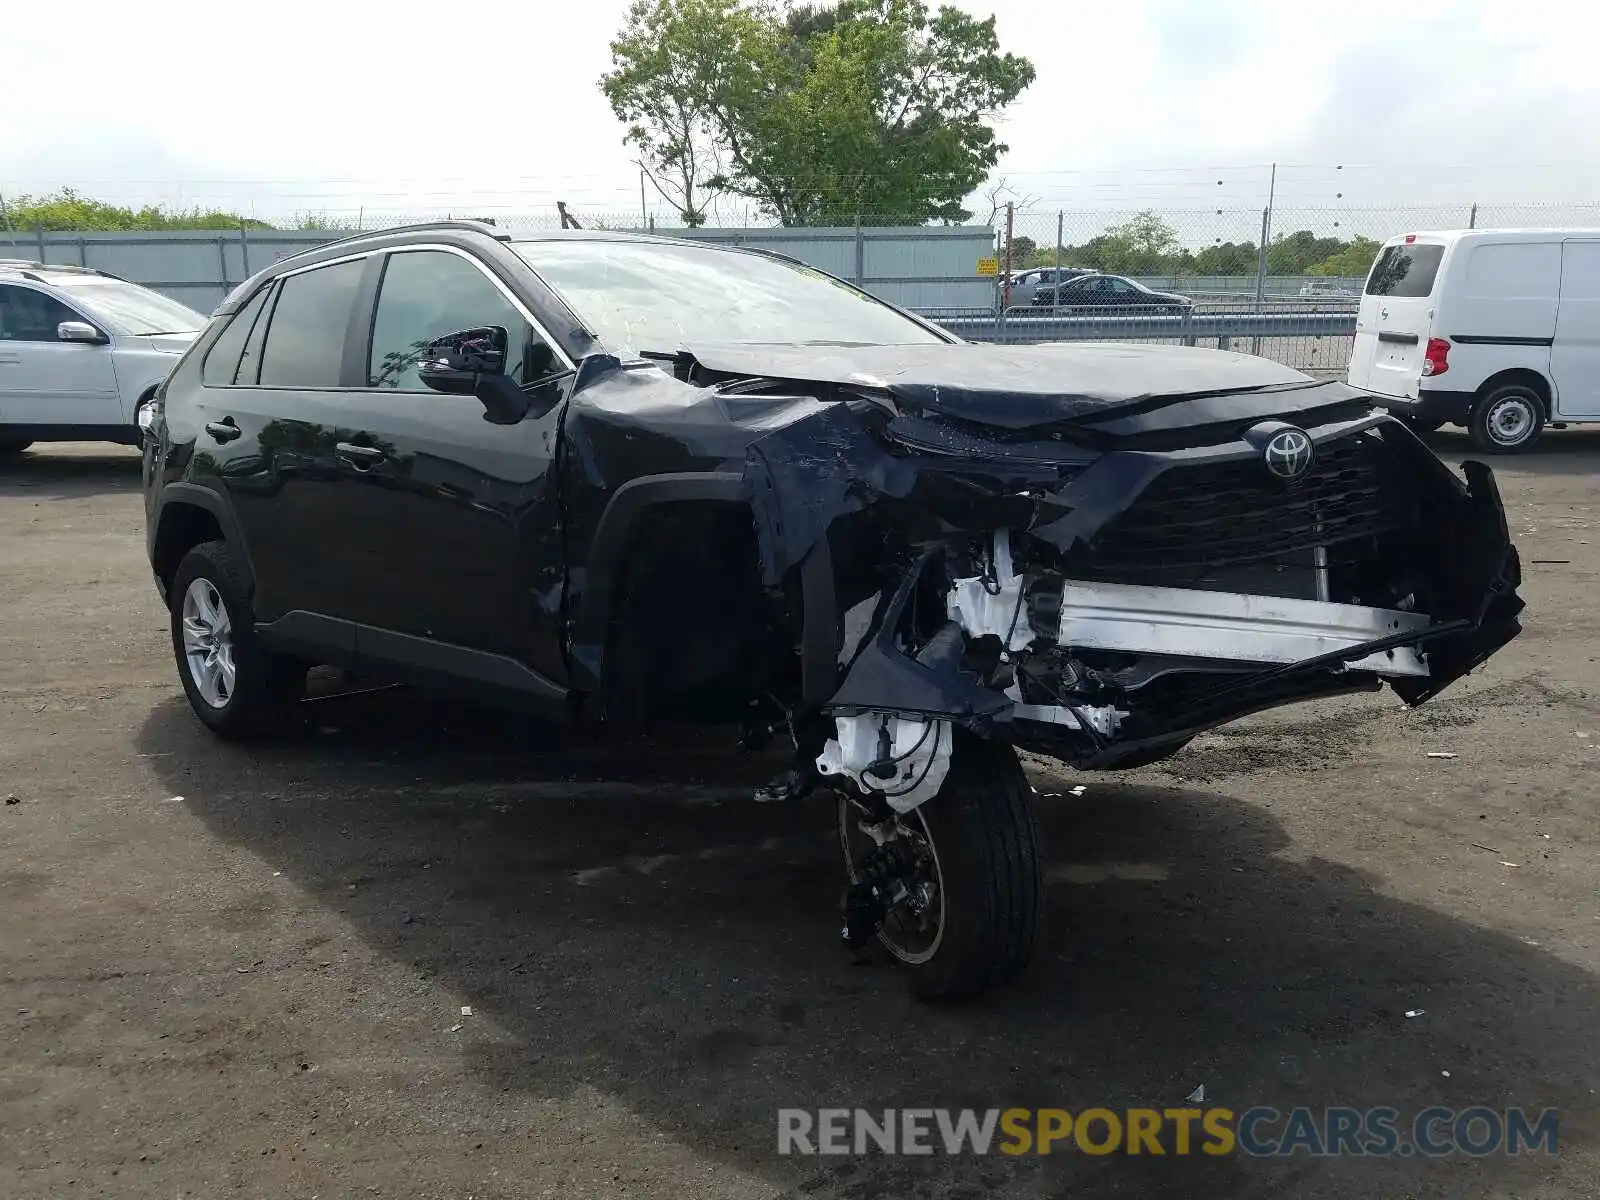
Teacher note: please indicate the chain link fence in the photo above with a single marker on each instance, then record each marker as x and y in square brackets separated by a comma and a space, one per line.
[996, 277]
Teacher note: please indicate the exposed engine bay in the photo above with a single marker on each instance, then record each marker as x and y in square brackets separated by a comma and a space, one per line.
[1092, 552]
[1096, 574]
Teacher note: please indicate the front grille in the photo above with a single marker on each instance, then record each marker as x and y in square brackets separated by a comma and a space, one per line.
[1213, 515]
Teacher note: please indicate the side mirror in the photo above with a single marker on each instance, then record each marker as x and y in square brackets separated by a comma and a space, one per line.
[472, 362]
[80, 331]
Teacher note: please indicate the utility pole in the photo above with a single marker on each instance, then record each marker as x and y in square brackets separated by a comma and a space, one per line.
[1005, 287]
[1261, 256]
[1060, 226]
[644, 213]
[1472, 218]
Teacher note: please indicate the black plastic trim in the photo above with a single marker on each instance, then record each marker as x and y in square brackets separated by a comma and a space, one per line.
[441, 663]
[1475, 339]
[195, 496]
[1406, 339]
[610, 545]
[311, 634]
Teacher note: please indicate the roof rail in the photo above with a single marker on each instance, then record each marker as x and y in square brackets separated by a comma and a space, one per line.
[28, 268]
[421, 226]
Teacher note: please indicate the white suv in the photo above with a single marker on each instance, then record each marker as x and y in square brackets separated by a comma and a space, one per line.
[80, 352]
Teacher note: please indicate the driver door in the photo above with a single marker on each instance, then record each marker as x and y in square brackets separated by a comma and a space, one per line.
[453, 518]
[44, 380]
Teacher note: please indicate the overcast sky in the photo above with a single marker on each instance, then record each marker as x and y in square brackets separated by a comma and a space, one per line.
[493, 106]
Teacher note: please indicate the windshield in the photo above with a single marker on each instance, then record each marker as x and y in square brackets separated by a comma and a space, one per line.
[131, 308]
[660, 297]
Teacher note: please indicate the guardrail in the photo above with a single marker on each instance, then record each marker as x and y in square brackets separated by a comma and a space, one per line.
[1222, 327]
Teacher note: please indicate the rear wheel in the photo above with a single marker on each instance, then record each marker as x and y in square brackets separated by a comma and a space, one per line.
[7, 449]
[1508, 419]
[971, 887]
[235, 686]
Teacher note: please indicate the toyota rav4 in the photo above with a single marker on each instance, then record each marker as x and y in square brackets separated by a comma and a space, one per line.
[610, 477]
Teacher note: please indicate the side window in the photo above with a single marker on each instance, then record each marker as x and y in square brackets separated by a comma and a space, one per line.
[222, 360]
[426, 294]
[30, 316]
[305, 338]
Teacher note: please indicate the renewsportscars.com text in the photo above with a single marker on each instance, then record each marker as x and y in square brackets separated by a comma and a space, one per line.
[1261, 1132]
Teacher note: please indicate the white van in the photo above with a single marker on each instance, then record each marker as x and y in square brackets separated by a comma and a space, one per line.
[1494, 329]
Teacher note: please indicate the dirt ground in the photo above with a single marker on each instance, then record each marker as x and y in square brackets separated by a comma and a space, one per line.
[233, 971]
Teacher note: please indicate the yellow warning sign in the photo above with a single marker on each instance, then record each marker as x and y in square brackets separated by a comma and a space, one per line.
[989, 266]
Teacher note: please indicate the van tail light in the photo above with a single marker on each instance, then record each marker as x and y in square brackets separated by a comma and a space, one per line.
[1436, 358]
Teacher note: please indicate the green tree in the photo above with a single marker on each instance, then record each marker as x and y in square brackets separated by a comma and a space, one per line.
[1353, 260]
[870, 109]
[1144, 244]
[1294, 253]
[1226, 258]
[66, 211]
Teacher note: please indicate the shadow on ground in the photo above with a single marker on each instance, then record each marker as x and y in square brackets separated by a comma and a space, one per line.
[88, 470]
[634, 927]
[1573, 451]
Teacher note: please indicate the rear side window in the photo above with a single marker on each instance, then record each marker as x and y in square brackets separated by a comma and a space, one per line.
[222, 360]
[1405, 270]
[305, 340]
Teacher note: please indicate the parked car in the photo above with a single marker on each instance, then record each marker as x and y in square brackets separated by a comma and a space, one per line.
[618, 478]
[1497, 330]
[1112, 291]
[1024, 284]
[80, 351]
[1313, 290]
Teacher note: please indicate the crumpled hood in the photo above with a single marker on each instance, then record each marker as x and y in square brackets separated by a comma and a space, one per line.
[1020, 387]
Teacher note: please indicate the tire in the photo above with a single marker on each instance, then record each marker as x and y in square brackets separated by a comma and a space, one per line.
[985, 844]
[7, 449]
[1507, 419]
[208, 596]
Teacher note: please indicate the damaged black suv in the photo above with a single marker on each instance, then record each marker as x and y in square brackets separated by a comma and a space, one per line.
[611, 477]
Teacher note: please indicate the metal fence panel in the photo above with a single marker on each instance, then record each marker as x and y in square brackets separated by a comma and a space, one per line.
[910, 266]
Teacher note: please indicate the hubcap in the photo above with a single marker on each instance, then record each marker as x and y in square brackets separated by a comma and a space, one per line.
[1510, 420]
[208, 643]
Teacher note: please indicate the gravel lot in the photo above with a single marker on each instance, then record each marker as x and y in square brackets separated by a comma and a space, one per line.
[228, 971]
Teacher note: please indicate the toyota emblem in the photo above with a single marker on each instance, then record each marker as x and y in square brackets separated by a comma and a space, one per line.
[1289, 454]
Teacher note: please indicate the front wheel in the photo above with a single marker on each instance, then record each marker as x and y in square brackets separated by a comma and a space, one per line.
[1508, 419]
[965, 866]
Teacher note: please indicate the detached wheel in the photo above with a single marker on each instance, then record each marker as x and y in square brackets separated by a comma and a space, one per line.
[7, 449]
[970, 916]
[236, 688]
[1508, 419]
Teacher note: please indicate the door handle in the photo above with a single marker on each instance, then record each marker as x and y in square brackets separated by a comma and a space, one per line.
[224, 430]
[11, 359]
[360, 457]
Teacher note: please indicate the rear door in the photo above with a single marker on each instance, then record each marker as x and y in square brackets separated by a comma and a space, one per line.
[272, 413]
[45, 381]
[1396, 317]
[1575, 351]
